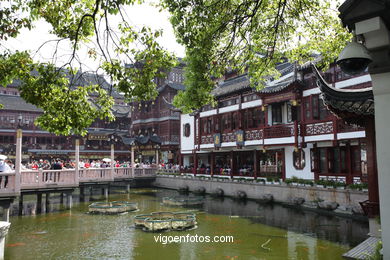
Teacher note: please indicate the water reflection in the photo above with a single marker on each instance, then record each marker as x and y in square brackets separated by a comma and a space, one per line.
[73, 234]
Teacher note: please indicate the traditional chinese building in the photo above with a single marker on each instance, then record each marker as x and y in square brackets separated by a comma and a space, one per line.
[356, 106]
[155, 125]
[40, 144]
[281, 131]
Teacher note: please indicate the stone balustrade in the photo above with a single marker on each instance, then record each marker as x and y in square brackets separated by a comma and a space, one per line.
[43, 179]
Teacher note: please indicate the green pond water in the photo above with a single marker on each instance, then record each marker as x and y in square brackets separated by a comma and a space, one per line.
[259, 232]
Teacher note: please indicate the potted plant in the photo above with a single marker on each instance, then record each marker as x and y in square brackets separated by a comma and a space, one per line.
[276, 181]
[355, 186]
[301, 182]
[309, 183]
[320, 183]
[339, 185]
[294, 180]
[365, 186]
[262, 181]
[269, 180]
[288, 181]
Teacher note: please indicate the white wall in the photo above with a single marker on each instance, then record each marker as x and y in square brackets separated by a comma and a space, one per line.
[305, 173]
[187, 143]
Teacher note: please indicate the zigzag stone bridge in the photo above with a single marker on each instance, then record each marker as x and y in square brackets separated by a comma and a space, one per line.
[41, 181]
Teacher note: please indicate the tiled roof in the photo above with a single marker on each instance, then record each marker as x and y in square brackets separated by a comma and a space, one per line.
[17, 103]
[355, 101]
[277, 86]
[173, 85]
[232, 85]
[82, 79]
[242, 82]
[141, 139]
[121, 110]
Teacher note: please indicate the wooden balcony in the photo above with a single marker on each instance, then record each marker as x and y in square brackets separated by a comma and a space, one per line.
[276, 131]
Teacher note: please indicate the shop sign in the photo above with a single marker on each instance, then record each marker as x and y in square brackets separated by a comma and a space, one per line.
[52, 152]
[97, 137]
[217, 140]
[279, 98]
[148, 153]
[240, 137]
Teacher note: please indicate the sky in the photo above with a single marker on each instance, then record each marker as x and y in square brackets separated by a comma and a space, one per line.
[138, 16]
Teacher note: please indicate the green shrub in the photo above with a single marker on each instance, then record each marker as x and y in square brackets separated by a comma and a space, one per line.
[295, 179]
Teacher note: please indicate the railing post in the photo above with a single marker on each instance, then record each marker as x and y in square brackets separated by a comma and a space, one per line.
[334, 131]
[112, 162]
[132, 156]
[40, 177]
[296, 133]
[77, 161]
[18, 159]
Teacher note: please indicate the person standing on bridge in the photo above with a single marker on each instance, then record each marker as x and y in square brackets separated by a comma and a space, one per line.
[4, 168]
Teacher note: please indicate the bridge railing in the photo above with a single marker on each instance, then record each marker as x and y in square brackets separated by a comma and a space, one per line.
[144, 172]
[7, 184]
[35, 179]
[47, 178]
[95, 174]
[123, 173]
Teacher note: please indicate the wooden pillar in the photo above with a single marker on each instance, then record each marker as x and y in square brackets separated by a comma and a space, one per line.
[212, 163]
[349, 178]
[232, 164]
[373, 190]
[335, 131]
[265, 109]
[195, 163]
[256, 163]
[181, 160]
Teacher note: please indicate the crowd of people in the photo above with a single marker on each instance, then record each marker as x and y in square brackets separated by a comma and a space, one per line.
[7, 165]
[58, 164]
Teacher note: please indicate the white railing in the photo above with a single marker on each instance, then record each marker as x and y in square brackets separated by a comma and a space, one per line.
[7, 183]
[95, 174]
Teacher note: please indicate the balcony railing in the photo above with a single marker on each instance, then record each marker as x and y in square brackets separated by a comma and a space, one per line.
[286, 130]
[278, 131]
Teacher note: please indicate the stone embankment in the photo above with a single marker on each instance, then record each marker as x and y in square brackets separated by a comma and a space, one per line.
[338, 201]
